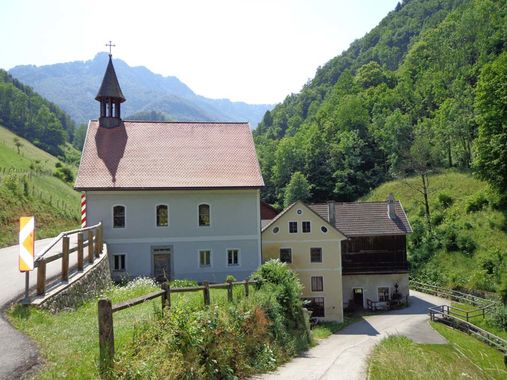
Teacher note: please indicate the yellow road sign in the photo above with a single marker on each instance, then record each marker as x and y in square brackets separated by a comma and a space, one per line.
[26, 243]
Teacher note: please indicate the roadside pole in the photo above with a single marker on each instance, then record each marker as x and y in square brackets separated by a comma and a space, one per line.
[26, 251]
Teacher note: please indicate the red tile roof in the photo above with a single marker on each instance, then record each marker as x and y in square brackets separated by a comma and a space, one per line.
[169, 155]
[366, 218]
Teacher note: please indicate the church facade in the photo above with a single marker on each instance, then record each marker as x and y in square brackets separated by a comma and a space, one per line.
[177, 199]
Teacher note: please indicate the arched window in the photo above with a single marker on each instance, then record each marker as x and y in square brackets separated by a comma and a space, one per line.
[204, 215]
[162, 216]
[119, 216]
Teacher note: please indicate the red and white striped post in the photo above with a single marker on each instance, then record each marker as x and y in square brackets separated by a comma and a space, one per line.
[83, 210]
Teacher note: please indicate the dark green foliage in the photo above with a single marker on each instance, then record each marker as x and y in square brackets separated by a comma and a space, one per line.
[476, 202]
[491, 105]
[223, 341]
[64, 173]
[298, 189]
[445, 200]
[400, 101]
[498, 318]
[29, 115]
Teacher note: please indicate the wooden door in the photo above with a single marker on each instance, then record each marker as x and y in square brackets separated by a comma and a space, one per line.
[162, 266]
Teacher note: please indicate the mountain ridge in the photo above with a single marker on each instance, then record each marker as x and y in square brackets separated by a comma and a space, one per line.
[73, 86]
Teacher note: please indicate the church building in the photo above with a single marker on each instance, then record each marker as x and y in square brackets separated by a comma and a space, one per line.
[176, 199]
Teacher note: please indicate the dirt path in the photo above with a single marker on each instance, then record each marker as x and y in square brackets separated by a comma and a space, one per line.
[344, 355]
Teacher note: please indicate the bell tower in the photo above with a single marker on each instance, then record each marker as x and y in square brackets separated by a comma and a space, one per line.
[110, 97]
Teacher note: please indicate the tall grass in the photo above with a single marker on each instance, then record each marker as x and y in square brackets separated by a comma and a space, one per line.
[397, 357]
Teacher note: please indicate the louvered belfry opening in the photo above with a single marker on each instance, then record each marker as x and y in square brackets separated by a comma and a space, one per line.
[110, 97]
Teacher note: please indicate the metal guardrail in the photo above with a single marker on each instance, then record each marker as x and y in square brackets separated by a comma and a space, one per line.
[444, 315]
[453, 295]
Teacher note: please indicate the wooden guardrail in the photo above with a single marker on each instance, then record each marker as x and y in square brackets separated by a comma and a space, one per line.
[106, 310]
[94, 242]
[453, 295]
[444, 314]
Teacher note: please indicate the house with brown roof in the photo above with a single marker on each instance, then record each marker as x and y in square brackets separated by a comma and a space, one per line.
[177, 199]
[346, 254]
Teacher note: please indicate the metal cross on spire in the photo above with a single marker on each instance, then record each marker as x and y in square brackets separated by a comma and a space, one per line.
[110, 45]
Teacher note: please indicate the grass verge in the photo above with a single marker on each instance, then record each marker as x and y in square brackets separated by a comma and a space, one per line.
[464, 357]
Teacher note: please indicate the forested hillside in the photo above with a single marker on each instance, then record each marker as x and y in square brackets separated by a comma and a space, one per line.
[31, 116]
[403, 100]
[467, 244]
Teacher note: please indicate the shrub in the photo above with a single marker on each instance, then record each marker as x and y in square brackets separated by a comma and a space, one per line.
[466, 244]
[230, 278]
[445, 200]
[223, 341]
[476, 202]
[64, 173]
[437, 218]
[11, 182]
[498, 318]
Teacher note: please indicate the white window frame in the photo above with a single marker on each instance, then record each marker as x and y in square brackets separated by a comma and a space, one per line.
[280, 255]
[199, 214]
[303, 230]
[124, 217]
[388, 292]
[288, 226]
[210, 258]
[227, 257]
[125, 262]
[156, 206]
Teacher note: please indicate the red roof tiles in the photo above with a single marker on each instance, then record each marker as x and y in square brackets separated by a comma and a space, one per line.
[168, 155]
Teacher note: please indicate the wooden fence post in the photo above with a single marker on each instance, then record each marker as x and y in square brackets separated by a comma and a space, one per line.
[65, 258]
[80, 261]
[97, 243]
[166, 297]
[101, 238]
[41, 277]
[229, 291]
[91, 257]
[246, 288]
[106, 334]
[206, 293]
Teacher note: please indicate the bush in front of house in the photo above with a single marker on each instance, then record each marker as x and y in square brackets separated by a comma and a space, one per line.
[224, 340]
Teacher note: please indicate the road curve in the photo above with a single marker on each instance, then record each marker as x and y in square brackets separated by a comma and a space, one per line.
[344, 355]
[18, 354]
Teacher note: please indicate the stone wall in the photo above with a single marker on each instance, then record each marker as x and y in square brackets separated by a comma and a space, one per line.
[90, 284]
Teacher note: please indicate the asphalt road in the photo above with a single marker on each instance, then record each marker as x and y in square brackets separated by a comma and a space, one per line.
[344, 355]
[18, 354]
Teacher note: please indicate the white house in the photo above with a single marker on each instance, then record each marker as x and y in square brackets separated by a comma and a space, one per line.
[177, 199]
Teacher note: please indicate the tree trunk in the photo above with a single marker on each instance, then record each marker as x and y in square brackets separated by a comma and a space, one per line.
[425, 185]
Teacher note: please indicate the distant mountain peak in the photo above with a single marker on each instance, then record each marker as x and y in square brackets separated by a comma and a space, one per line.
[73, 86]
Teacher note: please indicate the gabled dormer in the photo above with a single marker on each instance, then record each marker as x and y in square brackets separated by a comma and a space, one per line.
[110, 98]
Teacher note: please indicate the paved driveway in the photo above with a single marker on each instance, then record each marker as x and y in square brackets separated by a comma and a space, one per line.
[17, 352]
[344, 355]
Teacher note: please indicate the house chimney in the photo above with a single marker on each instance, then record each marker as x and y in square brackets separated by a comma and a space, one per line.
[331, 215]
[391, 212]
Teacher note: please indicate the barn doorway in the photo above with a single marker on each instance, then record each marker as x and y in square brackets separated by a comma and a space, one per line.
[358, 298]
[161, 257]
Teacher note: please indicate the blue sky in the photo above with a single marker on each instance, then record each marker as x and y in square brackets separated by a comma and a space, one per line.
[257, 51]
